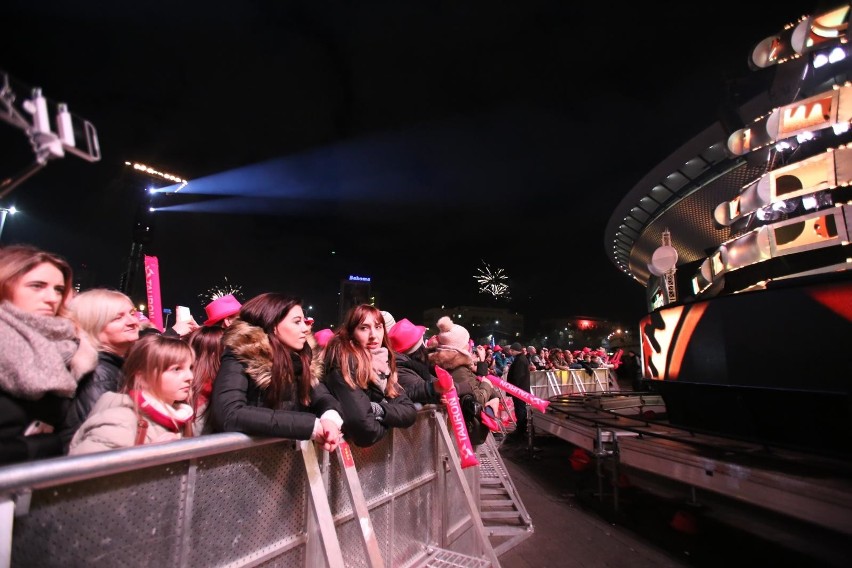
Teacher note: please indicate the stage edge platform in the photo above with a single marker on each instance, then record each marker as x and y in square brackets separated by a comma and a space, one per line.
[818, 497]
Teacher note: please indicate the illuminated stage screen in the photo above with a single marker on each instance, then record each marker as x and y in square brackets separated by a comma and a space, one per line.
[771, 364]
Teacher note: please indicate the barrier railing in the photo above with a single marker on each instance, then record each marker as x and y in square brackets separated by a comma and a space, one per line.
[233, 500]
[545, 384]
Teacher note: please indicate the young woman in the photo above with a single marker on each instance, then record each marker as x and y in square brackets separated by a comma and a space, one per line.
[206, 343]
[42, 354]
[152, 405]
[109, 318]
[361, 373]
[264, 386]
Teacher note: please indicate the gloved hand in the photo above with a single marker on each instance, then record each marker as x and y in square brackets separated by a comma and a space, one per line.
[380, 361]
[445, 383]
[378, 410]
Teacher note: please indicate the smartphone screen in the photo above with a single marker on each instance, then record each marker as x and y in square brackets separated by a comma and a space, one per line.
[183, 313]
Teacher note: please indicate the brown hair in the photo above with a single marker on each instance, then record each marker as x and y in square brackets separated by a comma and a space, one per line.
[149, 358]
[17, 260]
[206, 343]
[342, 351]
[266, 311]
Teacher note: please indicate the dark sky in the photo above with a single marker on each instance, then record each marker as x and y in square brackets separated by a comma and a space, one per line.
[405, 141]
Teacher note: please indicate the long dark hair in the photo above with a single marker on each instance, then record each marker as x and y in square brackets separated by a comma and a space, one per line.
[342, 351]
[266, 311]
[206, 343]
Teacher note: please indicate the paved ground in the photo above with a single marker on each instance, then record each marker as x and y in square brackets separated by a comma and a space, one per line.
[574, 529]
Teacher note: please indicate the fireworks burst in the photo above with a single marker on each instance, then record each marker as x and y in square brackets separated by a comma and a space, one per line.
[219, 291]
[493, 282]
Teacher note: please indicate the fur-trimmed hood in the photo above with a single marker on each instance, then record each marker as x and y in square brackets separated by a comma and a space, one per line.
[250, 345]
[450, 359]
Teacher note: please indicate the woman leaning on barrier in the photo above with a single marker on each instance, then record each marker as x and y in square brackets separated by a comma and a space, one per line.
[264, 385]
[360, 371]
[42, 353]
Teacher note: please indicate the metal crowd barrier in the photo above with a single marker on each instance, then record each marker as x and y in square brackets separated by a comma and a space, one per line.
[234, 500]
[545, 384]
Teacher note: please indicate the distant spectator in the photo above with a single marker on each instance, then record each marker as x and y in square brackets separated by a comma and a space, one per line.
[519, 375]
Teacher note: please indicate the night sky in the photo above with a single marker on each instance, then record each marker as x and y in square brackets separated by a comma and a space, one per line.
[405, 141]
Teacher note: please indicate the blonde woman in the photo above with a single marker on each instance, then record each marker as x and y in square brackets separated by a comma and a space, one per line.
[109, 318]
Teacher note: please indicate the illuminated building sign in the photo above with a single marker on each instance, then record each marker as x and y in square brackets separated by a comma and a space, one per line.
[359, 278]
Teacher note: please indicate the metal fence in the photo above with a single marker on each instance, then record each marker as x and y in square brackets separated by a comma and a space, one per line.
[233, 500]
[545, 384]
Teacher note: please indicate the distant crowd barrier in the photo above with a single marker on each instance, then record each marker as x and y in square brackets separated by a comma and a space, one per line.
[545, 384]
[233, 500]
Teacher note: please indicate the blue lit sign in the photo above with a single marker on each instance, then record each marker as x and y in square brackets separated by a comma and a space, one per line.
[359, 278]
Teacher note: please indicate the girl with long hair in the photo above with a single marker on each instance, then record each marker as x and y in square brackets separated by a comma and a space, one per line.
[361, 373]
[264, 386]
[42, 354]
[151, 406]
[206, 343]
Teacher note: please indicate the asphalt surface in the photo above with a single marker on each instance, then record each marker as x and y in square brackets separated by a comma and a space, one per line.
[575, 527]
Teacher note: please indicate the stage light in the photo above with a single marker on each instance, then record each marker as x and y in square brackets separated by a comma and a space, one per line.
[837, 54]
[804, 136]
[840, 127]
[820, 60]
[809, 202]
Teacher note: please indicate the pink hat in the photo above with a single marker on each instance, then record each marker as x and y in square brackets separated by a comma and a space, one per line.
[452, 336]
[221, 308]
[405, 337]
[323, 336]
[497, 348]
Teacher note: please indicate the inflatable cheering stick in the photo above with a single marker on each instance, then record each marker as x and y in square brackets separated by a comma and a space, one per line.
[445, 385]
[537, 403]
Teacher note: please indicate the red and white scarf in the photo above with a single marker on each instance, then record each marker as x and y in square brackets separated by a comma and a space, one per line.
[173, 418]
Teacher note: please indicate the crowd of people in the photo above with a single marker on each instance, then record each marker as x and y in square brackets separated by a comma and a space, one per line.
[87, 372]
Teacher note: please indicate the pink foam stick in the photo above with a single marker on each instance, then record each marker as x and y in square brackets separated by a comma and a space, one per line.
[451, 401]
[537, 403]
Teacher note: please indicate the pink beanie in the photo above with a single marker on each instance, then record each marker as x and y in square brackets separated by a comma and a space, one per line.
[453, 336]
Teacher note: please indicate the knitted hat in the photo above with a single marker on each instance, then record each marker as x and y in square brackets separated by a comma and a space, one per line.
[453, 336]
[405, 337]
[389, 321]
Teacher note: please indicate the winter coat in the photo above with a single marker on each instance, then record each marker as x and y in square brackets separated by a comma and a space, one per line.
[42, 358]
[414, 377]
[106, 377]
[113, 424]
[459, 365]
[519, 372]
[361, 422]
[238, 402]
